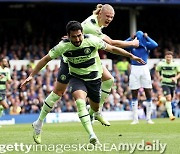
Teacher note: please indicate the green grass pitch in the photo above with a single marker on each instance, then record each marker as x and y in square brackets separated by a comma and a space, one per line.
[119, 133]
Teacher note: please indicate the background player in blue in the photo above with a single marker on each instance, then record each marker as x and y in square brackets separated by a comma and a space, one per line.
[81, 54]
[140, 75]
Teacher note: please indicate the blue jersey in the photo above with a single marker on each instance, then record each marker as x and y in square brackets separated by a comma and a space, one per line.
[145, 45]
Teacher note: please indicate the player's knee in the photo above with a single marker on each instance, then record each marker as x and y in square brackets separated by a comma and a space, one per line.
[162, 99]
[60, 93]
[96, 108]
[168, 98]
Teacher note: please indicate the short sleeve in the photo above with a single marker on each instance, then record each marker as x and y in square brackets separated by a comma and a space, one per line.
[158, 67]
[57, 51]
[178, 67]
[100, 43]
[8, 74]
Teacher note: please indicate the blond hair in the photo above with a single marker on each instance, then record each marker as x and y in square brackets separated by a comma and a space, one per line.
[98, 9]
[101, 7]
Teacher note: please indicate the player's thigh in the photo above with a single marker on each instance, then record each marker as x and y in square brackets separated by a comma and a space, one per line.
[146, 80]
[63, 73]
[77, 88]
[94, 90]
[60, 88]
[106, 74]
[134, 80]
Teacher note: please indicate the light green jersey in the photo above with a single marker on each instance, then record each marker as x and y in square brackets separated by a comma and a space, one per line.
[4, 76]
[90, 26]
[83, 61]
[168, 71]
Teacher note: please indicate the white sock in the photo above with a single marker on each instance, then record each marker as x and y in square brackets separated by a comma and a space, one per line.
[148, 109]
[39, 123]
[135, 109]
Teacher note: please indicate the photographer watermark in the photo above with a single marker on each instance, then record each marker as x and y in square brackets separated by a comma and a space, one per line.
[155, 145]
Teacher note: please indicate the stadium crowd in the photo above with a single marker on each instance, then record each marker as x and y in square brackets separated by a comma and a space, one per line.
[28, 46]
[29, 99]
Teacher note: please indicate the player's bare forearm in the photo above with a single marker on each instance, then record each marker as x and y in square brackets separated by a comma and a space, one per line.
[120, 43]
[125, 44]
[158, 75]
[40, 65]
[120, 51]
[178, 76]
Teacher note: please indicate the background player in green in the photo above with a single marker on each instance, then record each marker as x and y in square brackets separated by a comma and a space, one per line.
[81, 52]
[169, 74]
[4, 78]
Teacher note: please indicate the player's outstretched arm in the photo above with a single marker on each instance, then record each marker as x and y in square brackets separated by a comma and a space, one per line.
[120, 51]
[38, 67]
[176, 78]
[120, 43]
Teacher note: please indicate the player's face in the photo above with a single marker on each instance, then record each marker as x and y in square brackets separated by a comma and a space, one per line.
[76, 37]
[4, 63]
[106, 16]
[168, 58]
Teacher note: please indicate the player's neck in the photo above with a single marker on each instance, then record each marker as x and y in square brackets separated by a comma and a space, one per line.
[2, 67]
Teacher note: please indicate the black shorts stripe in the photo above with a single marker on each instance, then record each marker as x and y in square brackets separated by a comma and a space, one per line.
[91, 75]
[84, 116]
[48, 105]
[83, 64]
[2, 82]
[105, 91]
[168, 76]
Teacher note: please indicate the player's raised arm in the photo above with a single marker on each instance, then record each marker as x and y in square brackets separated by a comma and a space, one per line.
[120, 51]
[38, 67]
[120, 43]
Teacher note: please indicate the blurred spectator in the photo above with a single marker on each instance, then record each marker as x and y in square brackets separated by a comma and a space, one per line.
[123, 66]
[15, 109]
[29, 99]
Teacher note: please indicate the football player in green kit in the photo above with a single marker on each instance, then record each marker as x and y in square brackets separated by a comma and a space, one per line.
[81, 54]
